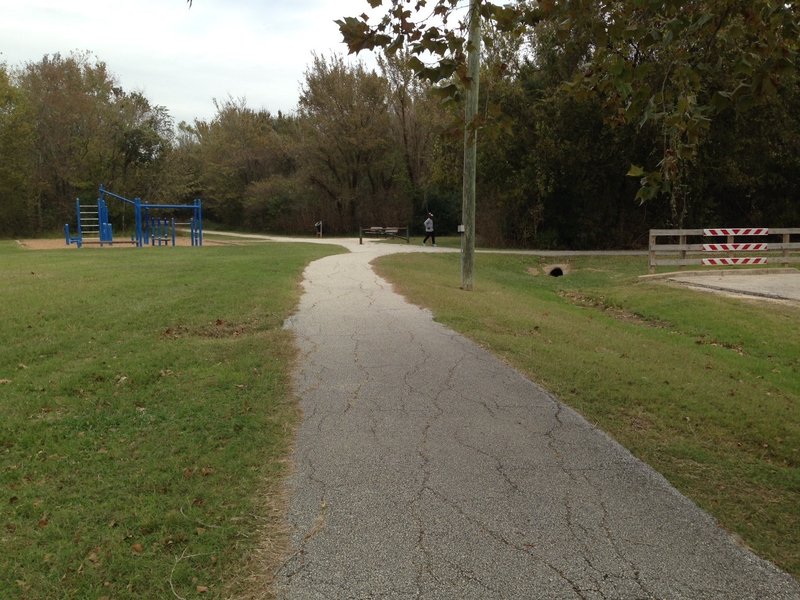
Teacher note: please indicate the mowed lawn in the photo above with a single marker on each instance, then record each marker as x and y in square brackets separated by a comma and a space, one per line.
[145, 418]
[703, 387]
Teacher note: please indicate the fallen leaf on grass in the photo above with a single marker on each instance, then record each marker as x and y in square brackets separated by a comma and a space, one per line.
[3, 381]
[137, 548]
[202, 589]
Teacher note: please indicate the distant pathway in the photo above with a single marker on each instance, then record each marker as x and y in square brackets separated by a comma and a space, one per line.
[427, 468]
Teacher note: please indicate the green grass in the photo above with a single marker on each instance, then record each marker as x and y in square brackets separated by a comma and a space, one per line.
[703, 387]
[145, 416]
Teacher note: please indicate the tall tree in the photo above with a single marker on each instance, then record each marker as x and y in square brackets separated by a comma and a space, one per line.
[417, 120]
[16, 151]
[236, 149]
[144, 137]
[405, 94]
[346, 146]
[71, 101]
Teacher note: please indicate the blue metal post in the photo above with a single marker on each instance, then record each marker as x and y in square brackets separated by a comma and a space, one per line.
[198, 210]
[148, 225]
[138, 218]
[100, 220]
[103, 225]
[79, 241]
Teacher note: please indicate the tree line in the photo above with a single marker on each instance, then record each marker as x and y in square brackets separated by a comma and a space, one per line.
[561, 161]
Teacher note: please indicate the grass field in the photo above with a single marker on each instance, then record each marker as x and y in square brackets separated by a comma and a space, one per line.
[145, 418]
[704, 388]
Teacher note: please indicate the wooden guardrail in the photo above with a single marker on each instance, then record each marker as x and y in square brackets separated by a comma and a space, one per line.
[723, 246]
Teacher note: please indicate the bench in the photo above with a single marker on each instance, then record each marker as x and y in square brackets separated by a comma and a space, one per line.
[384, 232]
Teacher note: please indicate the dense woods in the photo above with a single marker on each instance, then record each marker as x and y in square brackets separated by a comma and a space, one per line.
[589, 136]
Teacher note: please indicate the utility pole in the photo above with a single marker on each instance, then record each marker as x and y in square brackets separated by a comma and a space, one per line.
[470, 147]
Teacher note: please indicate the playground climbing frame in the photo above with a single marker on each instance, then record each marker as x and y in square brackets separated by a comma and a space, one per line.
[151, 228]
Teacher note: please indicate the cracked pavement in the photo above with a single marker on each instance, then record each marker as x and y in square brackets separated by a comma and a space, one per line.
[424, 467]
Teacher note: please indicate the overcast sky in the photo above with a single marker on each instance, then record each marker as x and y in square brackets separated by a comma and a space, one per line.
[183, 58]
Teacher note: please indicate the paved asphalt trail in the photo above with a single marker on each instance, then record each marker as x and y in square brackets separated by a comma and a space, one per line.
[427, 468]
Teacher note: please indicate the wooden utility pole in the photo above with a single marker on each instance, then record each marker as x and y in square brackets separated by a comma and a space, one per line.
[470, 148]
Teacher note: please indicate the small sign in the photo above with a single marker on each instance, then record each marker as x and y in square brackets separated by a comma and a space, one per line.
[460, 229]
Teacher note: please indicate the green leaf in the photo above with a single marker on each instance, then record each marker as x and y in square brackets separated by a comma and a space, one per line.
[356, 34]
[415, 64]
[635, 171]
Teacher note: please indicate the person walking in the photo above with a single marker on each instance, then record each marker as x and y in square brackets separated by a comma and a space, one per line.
[429, 230]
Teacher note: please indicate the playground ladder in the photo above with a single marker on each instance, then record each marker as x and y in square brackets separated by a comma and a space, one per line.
[90, 222]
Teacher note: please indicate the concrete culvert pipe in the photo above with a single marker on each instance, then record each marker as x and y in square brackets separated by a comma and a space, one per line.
[556, 270]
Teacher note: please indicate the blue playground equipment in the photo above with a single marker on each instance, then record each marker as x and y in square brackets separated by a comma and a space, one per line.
[150, 229]
[93, 225]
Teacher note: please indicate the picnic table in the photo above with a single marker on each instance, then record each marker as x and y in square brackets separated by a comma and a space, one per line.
[385, 232]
